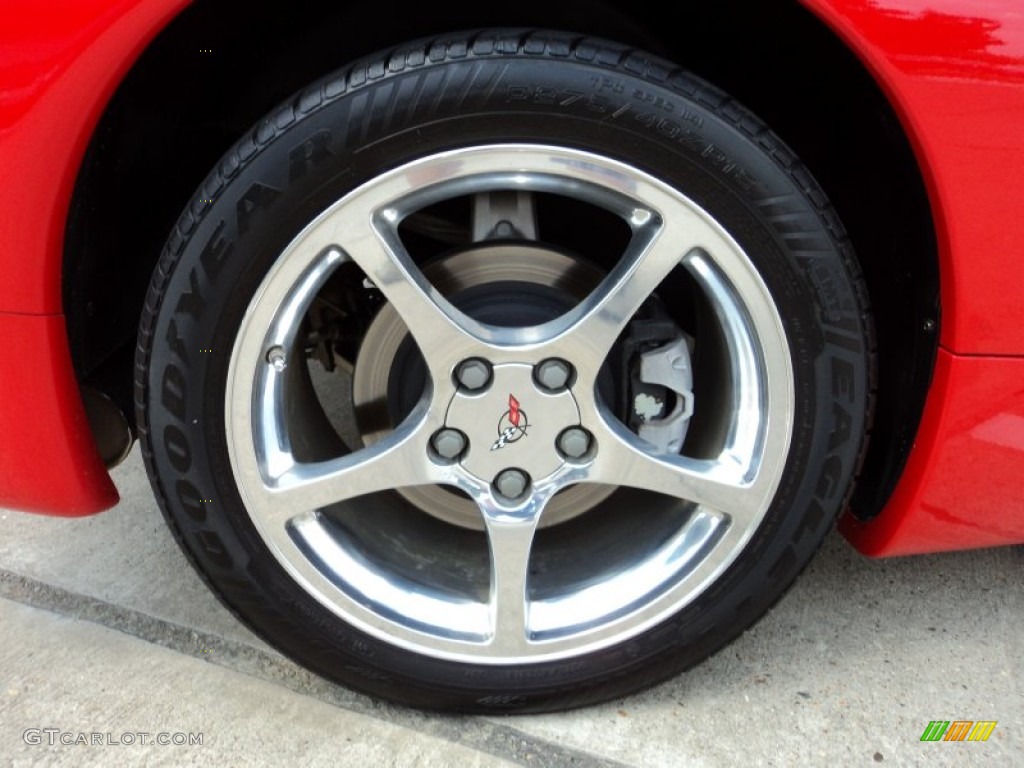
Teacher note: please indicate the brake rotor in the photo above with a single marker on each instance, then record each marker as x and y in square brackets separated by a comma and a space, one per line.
[523, 264]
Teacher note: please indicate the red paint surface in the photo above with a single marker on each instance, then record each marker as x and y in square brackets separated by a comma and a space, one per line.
[964, 484]
[954, 71]
[60, 62]
[48, 461]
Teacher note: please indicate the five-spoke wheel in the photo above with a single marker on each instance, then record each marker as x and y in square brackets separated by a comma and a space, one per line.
[498, 420]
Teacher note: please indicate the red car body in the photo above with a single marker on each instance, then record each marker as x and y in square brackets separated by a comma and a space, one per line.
[952, 71]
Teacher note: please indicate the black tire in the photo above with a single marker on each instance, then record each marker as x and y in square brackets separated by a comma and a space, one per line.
[524, 88]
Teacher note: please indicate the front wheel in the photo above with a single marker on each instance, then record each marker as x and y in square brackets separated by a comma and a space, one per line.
[507, 371]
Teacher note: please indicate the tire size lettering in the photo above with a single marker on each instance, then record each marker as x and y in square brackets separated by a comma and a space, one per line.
[608, 84]
[545, 95]
[672, 130]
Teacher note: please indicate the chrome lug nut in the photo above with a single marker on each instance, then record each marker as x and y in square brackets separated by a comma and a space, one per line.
[553, 373]
[511, 483]
[473, 374]
[449, 443]
[574, 442]
[277, 358]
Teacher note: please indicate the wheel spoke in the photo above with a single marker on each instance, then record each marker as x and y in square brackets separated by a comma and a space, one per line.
[656, 248]
[399, 460]
[510, 535]
[440, 331]
[719, 485]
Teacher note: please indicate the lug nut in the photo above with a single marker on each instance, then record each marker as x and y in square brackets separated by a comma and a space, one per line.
[574, 442]
[553, 373]
[473, 374]
[511, 483]
[277, 358]
[449, 443]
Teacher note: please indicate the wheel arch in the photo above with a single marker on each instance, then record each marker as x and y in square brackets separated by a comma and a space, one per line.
[834, 115]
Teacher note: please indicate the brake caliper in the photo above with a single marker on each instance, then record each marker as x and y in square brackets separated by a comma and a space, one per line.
[659, 393]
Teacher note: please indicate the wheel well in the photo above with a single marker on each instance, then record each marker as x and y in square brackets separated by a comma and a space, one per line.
[220, 66]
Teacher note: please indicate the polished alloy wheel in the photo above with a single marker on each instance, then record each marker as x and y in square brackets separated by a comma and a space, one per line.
[501, 428]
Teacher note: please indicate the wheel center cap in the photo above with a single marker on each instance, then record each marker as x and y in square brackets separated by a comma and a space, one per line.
[513, 423]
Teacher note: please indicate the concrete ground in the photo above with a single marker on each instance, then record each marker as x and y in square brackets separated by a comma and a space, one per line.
[105, 630]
